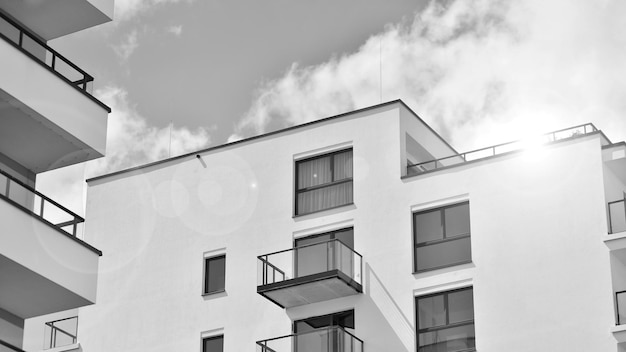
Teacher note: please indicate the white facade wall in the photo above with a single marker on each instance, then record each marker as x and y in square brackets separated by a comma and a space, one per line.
[540, 272]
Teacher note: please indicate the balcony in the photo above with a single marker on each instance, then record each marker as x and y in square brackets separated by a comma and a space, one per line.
[49, 117]
[487, 152]
[617, 216]
[332, 339]
[44, 267]
[61, 333]
[308, 274]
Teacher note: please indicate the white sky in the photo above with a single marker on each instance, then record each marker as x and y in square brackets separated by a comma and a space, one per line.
[479, 72]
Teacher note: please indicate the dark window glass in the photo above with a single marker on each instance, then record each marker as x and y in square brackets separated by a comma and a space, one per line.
[446, 321]
[324, 182]
[213, 344]
[442, 237]
[343, 319]
[214, 274]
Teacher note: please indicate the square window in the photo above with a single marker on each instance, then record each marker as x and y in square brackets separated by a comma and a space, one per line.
[442, 237]
[445, 321]
[323, 182]
[214, 274]
[213, 344]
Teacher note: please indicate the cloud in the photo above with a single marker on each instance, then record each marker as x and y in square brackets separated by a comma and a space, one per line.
[176, 30]
[128, 9]
[128, 45]
[131, 141]
[480, 72]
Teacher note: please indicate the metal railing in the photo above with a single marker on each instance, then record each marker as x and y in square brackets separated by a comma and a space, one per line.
[308, 260]
[61, 332]
[28, 199]
[39, 51]
[617, 216]
[620, 307]
[415, 169]
[330, 339]
[5, 346]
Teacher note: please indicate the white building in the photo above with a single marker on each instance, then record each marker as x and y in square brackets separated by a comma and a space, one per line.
[48, 120]
[364, 231]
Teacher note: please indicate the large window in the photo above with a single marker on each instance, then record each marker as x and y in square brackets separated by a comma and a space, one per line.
[213, 344]
[324, 182]
[214, 274]
[445, 321]
[442, 237]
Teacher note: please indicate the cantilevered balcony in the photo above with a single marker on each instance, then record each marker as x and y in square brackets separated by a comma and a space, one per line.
[331, 339]
[44, 267]
[487, 152]
[48, 117]
[309, 274]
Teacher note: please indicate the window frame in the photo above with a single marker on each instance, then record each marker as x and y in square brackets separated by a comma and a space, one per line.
[325, 185]
[446, 293]
[205, 285]
[214, 337]
[445, 239]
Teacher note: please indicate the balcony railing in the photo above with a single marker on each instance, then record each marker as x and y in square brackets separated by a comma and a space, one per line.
[415, 169]
[309, 260]
[61, 332]
[331, 339]
[36, 49]
[38, 205]
[617, 216]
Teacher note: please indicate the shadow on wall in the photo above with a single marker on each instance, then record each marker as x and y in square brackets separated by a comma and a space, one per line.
[384, 304]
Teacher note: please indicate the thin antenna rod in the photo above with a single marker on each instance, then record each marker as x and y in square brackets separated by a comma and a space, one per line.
[380, 57]
[169, 151]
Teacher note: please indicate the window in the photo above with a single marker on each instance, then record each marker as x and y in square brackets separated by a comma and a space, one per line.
[445, 321]
[213, 344]
[341, 319]
[214, 274]
[442, 237]
[322, 333]
[324, 182]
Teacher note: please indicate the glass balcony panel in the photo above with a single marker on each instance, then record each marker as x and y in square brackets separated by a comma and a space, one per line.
[617, 216]
[33, 47]
[333, 339]
[34, 202]
[9, 31]
[67, 71]
[456, 339]
[61, 332]
[443, 254]
[311, 273]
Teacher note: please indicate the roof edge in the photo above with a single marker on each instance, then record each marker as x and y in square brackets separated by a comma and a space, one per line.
[268, 134]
